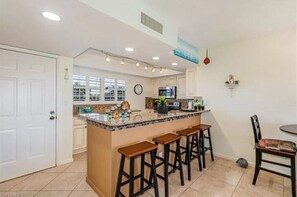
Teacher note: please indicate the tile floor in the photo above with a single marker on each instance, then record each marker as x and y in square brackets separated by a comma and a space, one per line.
[221, 178]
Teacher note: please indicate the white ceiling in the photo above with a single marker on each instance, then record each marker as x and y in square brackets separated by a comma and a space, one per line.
[203, 23]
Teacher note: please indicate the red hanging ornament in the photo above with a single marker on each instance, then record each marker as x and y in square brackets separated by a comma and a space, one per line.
[206, 60]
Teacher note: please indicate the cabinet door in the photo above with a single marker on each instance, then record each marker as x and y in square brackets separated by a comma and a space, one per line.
[156, 85]
[171, 81]
[191, 82]
[79, 137]
[181, 86]
[163, 82]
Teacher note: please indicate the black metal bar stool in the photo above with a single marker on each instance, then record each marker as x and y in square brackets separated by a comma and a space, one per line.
[202, 137]
[166, 140]
[132, 152]
[189, 149]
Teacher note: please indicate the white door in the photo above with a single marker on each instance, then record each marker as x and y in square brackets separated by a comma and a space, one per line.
[27, 99]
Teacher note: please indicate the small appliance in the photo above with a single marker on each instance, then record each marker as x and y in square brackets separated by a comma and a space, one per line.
[168, 92]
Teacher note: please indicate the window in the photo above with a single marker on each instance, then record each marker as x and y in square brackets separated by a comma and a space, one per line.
[121, 90]
[79, 88]
[94, 88]
[109, 89]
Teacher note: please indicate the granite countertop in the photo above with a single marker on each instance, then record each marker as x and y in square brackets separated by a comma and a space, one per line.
[137, 119]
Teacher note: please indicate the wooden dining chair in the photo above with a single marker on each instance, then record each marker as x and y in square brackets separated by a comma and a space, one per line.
[276, 147]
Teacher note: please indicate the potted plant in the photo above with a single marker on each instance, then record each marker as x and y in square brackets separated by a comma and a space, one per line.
[162, 105]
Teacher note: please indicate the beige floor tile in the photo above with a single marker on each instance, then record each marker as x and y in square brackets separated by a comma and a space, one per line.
[175, 188]
[191, 193]
[60, 168]
[53, 194]
[287, 182]
[147, 194]
[77, 166]
[65, 181]
[195, 174]
[225, 173]
[83, 185]
[83, 193]
[35, 182]
[212, 186]
[80, 157]
[7, 185]
[18, 194]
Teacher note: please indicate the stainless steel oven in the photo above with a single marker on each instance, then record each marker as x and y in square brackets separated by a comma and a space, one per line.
[168, 92]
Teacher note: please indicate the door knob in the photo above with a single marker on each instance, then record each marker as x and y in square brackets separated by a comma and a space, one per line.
[52, 117]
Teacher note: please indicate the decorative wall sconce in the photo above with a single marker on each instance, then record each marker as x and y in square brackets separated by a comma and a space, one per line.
[66, 75]
[231, 83]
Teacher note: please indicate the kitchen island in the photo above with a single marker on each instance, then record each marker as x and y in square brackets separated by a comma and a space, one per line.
[106, 136]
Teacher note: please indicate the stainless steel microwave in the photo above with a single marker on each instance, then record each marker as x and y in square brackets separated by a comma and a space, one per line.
[168, 92]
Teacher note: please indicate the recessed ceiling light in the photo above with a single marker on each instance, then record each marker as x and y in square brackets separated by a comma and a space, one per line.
[107, 59]
[174, 64]
[145, 67]
[156, 58]
[51, 16]
[122, 62]
[153, 70]
[137, 64]
[129, 49]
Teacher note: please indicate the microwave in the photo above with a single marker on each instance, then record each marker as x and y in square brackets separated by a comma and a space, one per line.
[168, 92]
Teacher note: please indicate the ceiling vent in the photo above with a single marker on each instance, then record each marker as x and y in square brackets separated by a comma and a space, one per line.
[151, 23]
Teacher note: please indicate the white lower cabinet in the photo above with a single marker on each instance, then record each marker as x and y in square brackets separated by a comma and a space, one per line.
[79, 137]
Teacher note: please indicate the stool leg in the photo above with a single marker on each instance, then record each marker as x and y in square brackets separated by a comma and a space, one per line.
[210, 145]
[202, 147]
[180, 163]
[293, 177]
[154, 173]
[198, 152]
[120, 176]
[188, 157]
[166, 160]
[131, 178]
[142, 172]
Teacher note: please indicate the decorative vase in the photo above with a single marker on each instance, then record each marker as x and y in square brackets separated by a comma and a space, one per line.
[162, 109]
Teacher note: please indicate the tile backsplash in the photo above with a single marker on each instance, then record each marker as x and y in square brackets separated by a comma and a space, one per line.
[96, 108]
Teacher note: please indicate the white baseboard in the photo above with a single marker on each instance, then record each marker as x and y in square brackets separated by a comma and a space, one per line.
[65, 161]
[81, 150]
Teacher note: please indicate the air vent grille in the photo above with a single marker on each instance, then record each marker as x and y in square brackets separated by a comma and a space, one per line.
[151, 23]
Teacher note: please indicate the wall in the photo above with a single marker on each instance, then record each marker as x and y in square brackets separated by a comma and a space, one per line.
[136, 101]
[64, 111]
[266, 68]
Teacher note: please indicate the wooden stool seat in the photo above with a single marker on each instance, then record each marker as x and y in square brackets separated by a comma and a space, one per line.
[167, 138]
[137, 149]
[201, 127]
[187, 132]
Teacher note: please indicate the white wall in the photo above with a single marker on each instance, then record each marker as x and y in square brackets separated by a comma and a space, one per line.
[266, 68]
[136, 101]
[64, 111]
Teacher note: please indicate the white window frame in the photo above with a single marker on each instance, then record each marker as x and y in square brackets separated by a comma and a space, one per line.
[102, 96]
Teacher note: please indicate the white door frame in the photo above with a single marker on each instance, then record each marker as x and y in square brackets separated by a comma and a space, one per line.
[63, 150]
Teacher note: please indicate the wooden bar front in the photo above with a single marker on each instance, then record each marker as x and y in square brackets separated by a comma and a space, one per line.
[103, 157]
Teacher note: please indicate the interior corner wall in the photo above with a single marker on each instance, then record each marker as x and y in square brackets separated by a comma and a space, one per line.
[64, 111]
[266, 70]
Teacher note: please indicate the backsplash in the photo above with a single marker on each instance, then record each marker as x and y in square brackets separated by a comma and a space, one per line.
[96, 108]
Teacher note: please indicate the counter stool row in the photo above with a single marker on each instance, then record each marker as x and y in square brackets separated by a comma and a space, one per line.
[167, 140]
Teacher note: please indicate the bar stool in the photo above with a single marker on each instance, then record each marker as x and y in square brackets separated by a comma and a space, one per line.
[190, 133]
[132, 152]
[202, 137]
[166, 140]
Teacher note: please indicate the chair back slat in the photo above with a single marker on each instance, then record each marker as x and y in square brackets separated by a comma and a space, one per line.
[256, 128]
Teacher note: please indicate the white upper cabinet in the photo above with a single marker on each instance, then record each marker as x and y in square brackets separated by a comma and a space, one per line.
[168, 81]
[156, 85]
[191, 81]
[181, 86]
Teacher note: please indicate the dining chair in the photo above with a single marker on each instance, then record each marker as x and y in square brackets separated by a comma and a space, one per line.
[276, 147]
